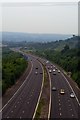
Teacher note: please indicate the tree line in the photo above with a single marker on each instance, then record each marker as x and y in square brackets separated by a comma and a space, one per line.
[67, 58]
[13, 65]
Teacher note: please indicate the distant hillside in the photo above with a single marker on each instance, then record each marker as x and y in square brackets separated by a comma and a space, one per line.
[29, 37]
[72, 42]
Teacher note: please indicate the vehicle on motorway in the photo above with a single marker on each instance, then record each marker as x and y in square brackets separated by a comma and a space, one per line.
[48, 67]
[41, 72]
[51, 66]
[54, 89]
[54, 70]
[62, 91]
[36, 72]
[36, 67]
[50, 71]
[54, 73]
[58, 71]
[72, 95]
[47, 61]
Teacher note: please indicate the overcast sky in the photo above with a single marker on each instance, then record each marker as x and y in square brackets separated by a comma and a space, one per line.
[53, 18]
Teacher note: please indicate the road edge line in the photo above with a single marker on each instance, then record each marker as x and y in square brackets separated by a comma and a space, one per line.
[50, 95]
[71, 88]
[39, 94]
[18, 89]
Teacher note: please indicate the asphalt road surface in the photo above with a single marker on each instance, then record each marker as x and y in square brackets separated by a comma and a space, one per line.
[24, 102]
[62, 105]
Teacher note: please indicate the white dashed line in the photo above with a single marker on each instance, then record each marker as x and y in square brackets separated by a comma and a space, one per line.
[59, 104]
[31, 95]
[18, 89]
[72, 115]
[20, 117]
[27, 102]
[8, 117]
[59, 108]
[22, 111]
[15, 106]
[60, 114]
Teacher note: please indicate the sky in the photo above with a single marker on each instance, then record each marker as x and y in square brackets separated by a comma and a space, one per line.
[56, 17]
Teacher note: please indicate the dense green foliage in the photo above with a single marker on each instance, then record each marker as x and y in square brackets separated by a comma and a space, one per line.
[13, 65]
[68, 59]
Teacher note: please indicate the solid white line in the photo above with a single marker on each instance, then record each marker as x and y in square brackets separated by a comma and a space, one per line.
[50, 96]
[71, 88]
[39, 94]
[18, 89]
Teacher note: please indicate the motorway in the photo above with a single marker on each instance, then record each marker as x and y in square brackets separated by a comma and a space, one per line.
[62, 106]
[23, 103]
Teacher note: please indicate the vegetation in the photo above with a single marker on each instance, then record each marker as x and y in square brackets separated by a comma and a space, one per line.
[13, 65]
[68, 59]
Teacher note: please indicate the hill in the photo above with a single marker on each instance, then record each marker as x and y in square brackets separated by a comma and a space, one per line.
[30, 37]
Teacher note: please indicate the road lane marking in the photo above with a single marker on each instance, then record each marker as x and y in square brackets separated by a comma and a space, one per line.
[15, 106]
[40, 93]
[18, 89]
[60, 114]
[11, 111]
[59, 104]
[71, 88]
[27, 102]
[8, 117]
[50, 95]
[72, 115]
[59, 108]
[23, 111]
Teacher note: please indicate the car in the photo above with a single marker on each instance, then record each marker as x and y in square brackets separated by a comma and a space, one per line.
[54, 73]
[58, 71]
[62, 91]
[53, 88]
[47, 61]
[51, 66]
[36, 67]
[54, 70]
[72, 95]
[36, 72]
[41, 72]
[48, 67]
[50, 71]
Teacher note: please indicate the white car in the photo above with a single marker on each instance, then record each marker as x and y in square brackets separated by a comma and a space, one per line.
[72, 95]
[58, 71]
[47, 61]
[51, 66]
[50, 71]
[54, 89]
[54, 70]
